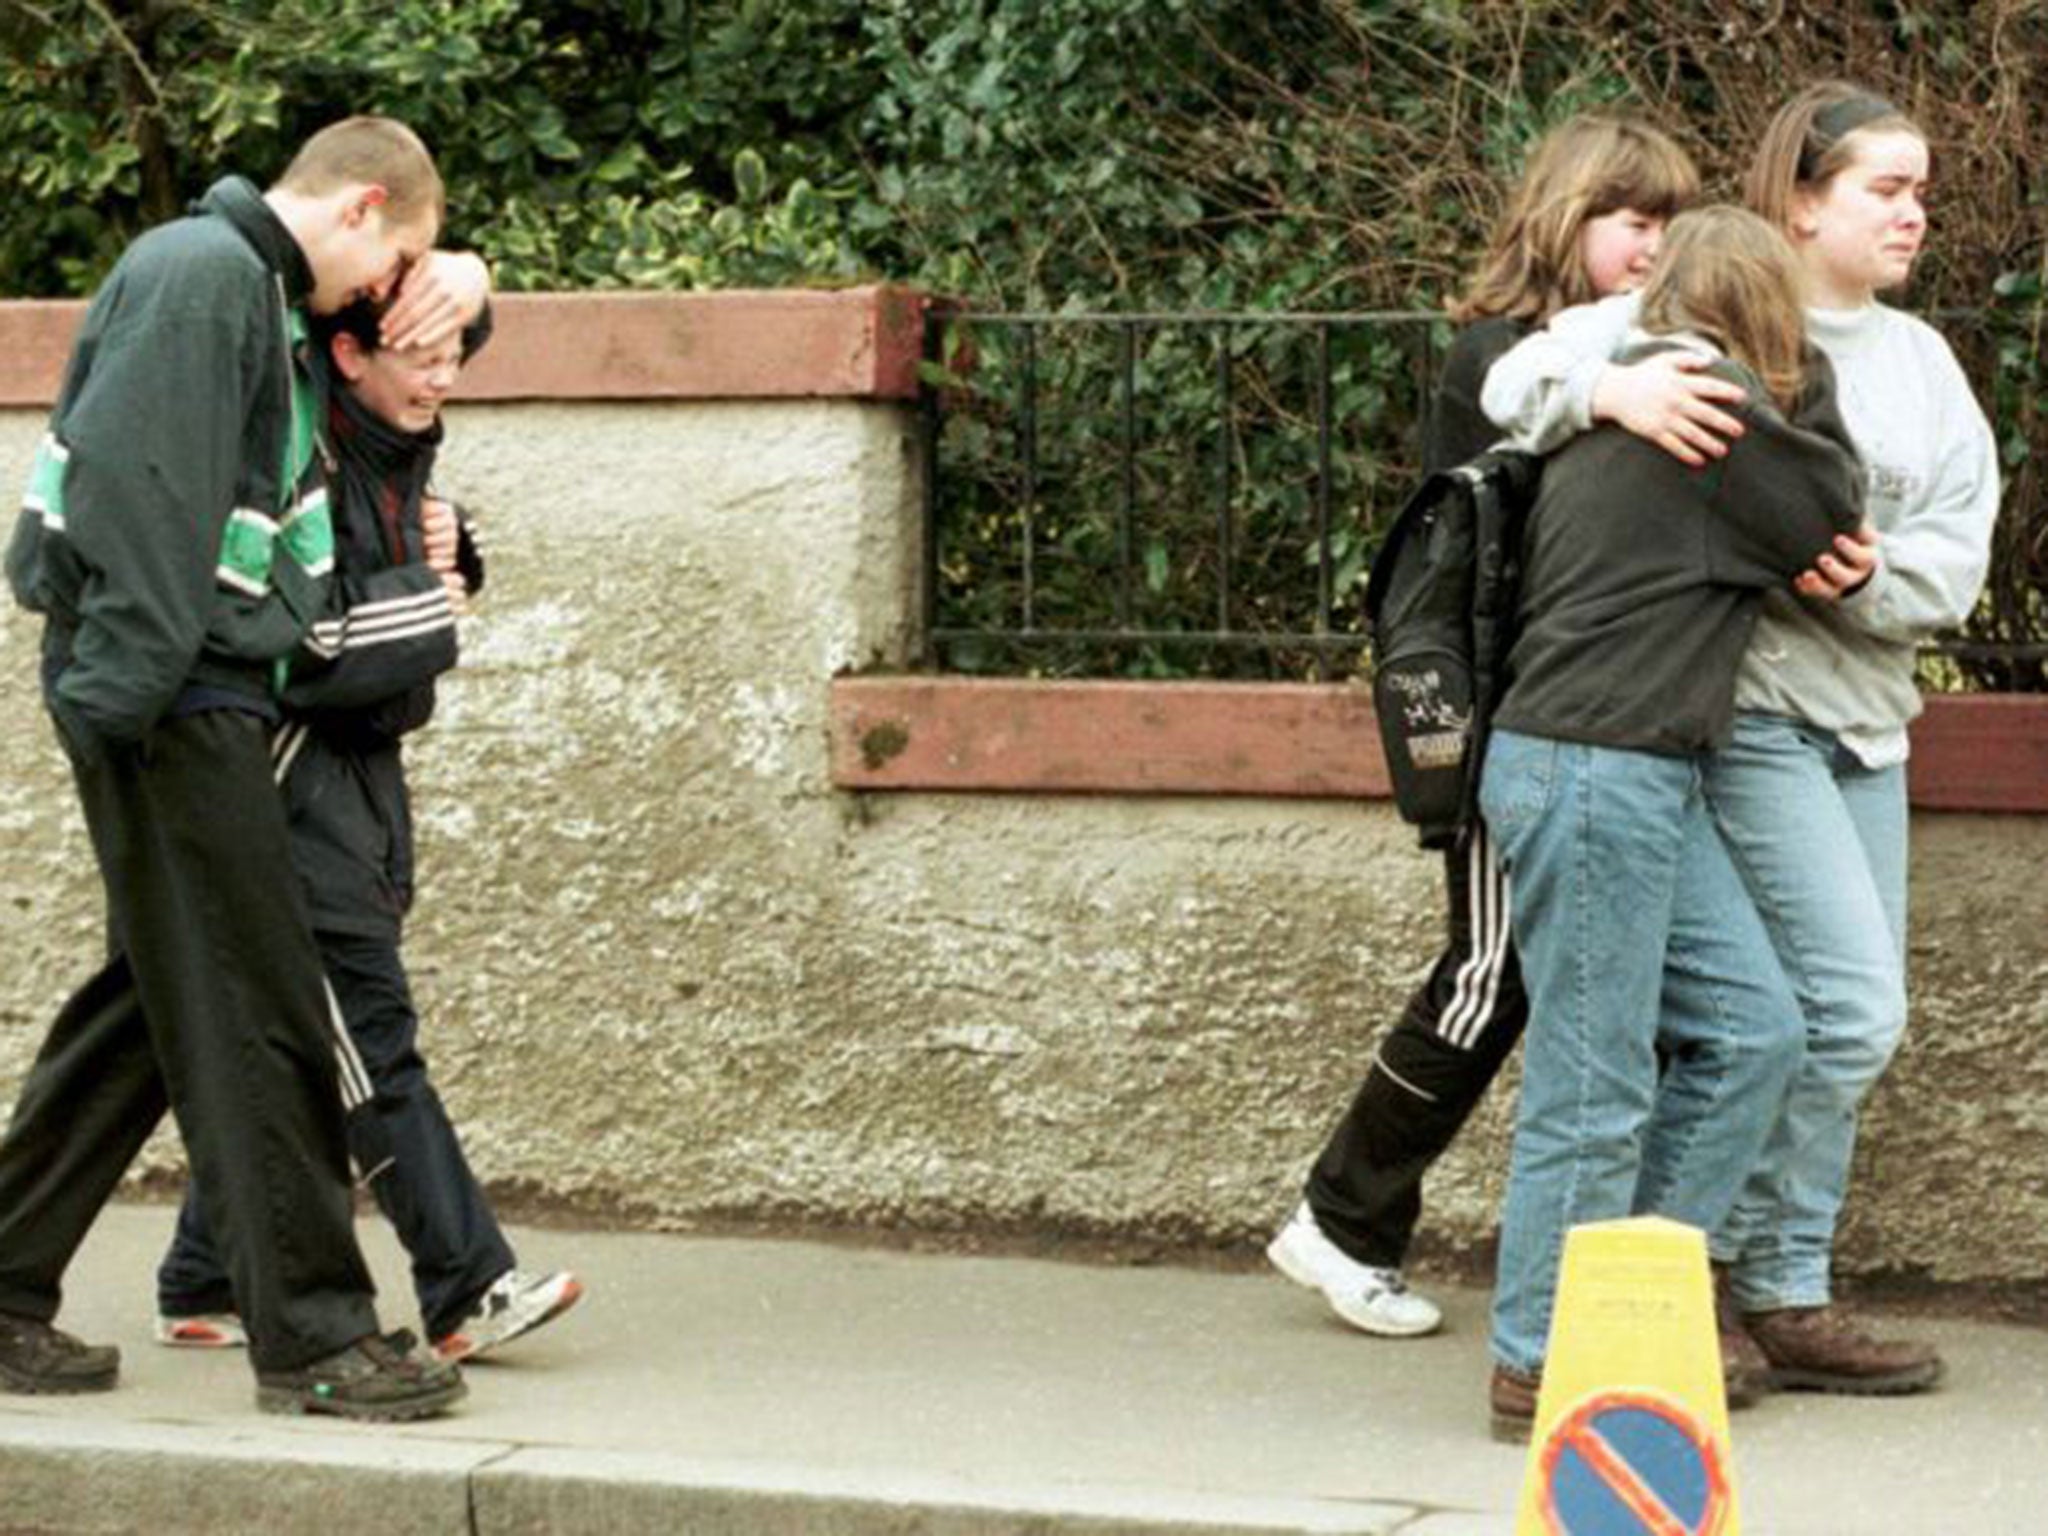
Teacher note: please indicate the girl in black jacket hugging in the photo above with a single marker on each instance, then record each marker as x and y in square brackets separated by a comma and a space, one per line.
[1643, 579]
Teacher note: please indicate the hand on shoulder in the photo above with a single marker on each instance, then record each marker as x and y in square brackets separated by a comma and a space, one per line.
[1671, 400]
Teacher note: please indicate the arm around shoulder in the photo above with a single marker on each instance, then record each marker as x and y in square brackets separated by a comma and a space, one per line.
[1540, 391]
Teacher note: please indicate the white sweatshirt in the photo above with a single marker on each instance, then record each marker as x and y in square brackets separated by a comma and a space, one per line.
[1933, 496]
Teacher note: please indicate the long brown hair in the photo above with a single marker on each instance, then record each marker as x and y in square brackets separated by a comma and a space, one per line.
[1809, 143]
[1725, 274]
[1590, 165]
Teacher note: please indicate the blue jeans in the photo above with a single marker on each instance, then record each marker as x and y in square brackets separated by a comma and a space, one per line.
[1820, 842]
[1624, 899]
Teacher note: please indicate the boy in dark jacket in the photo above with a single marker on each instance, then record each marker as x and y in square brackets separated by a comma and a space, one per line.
[176, 539]
[404, 565]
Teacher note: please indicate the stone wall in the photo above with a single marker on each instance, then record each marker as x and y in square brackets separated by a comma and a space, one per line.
[672, 975]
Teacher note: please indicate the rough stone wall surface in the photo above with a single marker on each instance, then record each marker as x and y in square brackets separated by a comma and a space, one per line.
[670, 975]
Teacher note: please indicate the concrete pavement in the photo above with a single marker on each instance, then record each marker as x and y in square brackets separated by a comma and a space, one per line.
[766, 1387]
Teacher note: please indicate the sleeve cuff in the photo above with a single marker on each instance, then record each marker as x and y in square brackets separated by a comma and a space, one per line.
[1862, 605]
[1579, 385]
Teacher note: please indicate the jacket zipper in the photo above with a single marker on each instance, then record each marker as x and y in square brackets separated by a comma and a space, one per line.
[290, 490]
[287, 487]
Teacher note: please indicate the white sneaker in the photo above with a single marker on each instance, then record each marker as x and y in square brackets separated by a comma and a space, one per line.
[205, 1330]
[517, 1302]
[1370, 1299]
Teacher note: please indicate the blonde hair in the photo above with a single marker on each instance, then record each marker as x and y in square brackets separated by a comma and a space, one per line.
[376, 151]
[1725, 274]
[1810, 142]
[1590, 165]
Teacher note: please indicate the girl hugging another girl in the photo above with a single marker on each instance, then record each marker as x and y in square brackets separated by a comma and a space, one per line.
[1643, 582]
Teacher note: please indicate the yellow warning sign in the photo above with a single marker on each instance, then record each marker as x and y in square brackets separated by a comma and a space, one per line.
[1631, 1433]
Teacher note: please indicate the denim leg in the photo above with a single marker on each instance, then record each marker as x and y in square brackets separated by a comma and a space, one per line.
[1731, 1035]
[1592, 839]
[1834, 908]
[1876, 802]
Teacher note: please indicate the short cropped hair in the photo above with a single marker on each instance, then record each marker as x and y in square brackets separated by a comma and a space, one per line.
[376, 150]
[363, 319]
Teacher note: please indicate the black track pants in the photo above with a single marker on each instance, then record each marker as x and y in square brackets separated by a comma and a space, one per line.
[422, 1180]
[213, 1006]
[1429, 1071]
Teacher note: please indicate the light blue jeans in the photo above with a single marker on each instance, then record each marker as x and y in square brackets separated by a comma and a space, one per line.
[1821, 843]
[1624, 900]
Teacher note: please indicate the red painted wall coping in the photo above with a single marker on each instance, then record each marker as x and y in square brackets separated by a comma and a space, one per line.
[1981, 752]
[35, 339]
[1105, 737]
[1970, 752]
[853, 343]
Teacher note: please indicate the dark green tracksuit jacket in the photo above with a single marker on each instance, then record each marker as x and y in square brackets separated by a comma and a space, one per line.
[176, 538]
[178, 552]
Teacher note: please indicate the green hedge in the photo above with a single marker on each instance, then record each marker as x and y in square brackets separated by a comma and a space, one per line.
[1155, 154]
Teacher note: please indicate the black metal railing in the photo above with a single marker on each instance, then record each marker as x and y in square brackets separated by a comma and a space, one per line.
[1163, 493]
[1183, 494]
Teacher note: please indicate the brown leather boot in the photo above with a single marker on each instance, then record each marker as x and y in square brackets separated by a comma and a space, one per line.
[1745, 1368]
[1512, 1397]
[1820, 1349]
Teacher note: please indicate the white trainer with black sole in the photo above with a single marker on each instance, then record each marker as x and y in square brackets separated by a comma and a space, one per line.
[1369, 1298]
[517, 1302]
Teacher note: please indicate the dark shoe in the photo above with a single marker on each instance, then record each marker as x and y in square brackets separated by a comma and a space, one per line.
[380, 1377]
[36, 1358]
[1512, 1397]
[1820, 1349]
[1745, 1368]
[1513, 1394]
[1746, 1376]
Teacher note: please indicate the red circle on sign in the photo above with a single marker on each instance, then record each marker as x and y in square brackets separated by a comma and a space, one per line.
[1578, 1435]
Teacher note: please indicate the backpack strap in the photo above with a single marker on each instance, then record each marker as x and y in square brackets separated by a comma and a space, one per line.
[1503, 489]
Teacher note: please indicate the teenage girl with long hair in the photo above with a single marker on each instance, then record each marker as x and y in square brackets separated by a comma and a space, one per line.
[1583, 222]
[1810, 794]
[1643, 581]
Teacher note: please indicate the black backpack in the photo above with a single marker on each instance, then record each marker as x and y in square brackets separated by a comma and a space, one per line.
[1441, 607]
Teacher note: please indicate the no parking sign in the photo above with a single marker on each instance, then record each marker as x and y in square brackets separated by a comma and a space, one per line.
[1631, 1431]
[1632, 1463]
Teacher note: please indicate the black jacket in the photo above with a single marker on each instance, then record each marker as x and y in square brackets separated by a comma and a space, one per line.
[1642, 577]
[1457, 429]
[176, 532]
[368, 681]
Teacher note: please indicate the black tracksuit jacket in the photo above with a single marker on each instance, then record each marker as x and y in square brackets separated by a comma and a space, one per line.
[369, 682]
